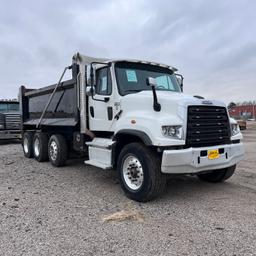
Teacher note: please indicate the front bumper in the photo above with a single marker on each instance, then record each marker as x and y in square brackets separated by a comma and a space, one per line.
[10, 134]
[190, 160]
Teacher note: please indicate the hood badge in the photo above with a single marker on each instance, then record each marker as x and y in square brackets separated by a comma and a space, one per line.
[208, 102]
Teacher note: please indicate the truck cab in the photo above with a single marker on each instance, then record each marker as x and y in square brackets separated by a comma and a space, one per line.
[133, 116]
[9, 119]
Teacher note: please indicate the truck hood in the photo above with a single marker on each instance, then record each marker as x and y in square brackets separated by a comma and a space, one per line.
[138, 114]
[172, 103]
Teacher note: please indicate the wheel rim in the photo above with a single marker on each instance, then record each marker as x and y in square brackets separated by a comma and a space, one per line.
[53, 150]
[133, 173]
[36, 147]
[25, 145]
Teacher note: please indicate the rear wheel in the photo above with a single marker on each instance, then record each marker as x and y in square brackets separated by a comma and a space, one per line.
[27, 144]
[57, 150]
[216, 176]
[140, 174]
[40, 146]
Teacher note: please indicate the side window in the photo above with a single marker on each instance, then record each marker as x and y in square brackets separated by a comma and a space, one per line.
[3, 107]
[165, 83]
[162, 82]
[13, 107]
[103, 82]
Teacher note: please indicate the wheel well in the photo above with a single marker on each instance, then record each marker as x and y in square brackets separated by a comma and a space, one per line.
[122, 140]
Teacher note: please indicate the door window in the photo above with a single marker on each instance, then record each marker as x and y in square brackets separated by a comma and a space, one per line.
[103, 82]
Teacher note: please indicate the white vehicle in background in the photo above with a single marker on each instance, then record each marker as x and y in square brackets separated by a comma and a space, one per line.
[132, 116]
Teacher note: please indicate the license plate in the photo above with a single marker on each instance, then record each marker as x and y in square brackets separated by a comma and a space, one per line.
[213, 154]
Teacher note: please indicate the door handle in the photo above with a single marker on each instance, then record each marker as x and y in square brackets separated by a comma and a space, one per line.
[110, 113]
[92, 111]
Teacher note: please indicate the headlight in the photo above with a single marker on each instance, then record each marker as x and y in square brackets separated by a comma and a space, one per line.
[235, 129]
[175, 132]
[1, 126]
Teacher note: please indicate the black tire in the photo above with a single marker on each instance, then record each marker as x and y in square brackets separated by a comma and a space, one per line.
[61, 150]
[27, 144]
[40, 146]
[154, 182]
[216, 176]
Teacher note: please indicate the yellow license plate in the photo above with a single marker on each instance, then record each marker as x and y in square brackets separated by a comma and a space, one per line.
[213, 154]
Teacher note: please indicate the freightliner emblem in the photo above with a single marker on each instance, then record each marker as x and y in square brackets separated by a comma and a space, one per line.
[207, 102]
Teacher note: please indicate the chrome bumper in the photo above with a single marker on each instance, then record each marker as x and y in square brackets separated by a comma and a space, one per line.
[190, 160]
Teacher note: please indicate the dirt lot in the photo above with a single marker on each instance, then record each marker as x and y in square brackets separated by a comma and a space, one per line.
[51, 211]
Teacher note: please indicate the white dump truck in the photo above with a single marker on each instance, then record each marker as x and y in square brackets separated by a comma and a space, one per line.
[132, 116]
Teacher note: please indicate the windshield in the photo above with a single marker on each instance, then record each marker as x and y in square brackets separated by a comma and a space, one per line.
[5, 107]
[131, 77]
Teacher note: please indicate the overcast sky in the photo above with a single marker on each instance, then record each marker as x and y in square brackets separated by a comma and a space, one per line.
[212, 43]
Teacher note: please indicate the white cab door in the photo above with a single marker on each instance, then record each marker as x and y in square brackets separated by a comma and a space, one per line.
[101, 105]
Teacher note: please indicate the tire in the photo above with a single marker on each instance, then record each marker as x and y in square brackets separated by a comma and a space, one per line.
[57, 150]
[40, 146]
[139, 170]
[216, 176]
[27, 144]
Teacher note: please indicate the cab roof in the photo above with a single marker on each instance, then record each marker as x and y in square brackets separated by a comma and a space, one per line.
[88, 60]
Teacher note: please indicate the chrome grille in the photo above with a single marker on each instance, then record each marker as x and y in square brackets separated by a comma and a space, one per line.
[12, 121]
[207, 126]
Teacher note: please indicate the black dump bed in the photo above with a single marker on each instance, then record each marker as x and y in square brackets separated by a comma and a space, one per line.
[62, 110]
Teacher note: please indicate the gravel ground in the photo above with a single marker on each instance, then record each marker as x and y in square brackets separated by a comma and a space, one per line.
[60, 211]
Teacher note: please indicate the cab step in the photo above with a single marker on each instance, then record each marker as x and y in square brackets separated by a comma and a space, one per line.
[96, 163]
[100, 153]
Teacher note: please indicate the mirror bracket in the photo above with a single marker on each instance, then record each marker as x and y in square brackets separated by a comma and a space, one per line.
[152, 82]
[180, 79]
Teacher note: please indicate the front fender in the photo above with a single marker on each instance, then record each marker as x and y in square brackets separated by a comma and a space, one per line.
[149, 125]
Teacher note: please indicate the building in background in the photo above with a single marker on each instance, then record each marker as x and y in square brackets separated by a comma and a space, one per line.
[243, 112]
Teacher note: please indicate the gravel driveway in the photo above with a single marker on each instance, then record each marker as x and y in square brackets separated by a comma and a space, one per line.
[67, 211]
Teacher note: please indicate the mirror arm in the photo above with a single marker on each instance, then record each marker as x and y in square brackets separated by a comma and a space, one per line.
[106, 99]
[150, 81]
[182, 78]
[156, 106]
[91, 76]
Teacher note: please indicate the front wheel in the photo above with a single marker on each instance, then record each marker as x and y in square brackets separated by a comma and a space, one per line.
[140, 174]
[216, 176]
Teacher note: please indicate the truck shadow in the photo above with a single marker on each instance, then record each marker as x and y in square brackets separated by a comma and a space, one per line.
[191, 189]
[186, 184]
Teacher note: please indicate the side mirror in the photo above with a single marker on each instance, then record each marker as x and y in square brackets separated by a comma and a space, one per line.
[90, 90]
[90, 77]
[151, 82]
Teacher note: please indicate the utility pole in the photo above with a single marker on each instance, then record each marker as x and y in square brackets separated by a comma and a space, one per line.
[253, 110]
